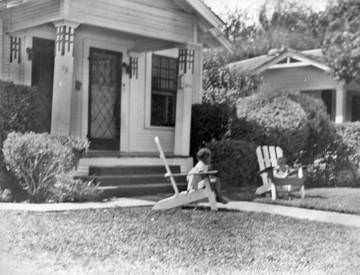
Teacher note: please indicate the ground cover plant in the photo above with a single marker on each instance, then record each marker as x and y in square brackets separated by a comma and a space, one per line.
[139, 241]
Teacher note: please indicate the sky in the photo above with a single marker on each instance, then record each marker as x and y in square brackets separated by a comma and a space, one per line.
[251, 7]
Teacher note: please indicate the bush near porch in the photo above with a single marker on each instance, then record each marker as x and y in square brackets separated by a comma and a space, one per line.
[41, 163]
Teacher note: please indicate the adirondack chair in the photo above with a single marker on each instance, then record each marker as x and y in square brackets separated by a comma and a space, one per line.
[185, 197]
[267, 158]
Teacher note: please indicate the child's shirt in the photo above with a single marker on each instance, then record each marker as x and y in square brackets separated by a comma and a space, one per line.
[194, 180]
[282, 174]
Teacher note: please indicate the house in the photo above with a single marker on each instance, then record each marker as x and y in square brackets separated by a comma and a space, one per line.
[119, 72]
[307, 72]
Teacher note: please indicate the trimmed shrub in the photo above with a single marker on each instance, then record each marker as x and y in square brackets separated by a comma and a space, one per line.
[235, 160]
[77, 145]
[67, 189]
[272, 121]
[349, 133]
[209, 122]
[36, 160]
[296, 122]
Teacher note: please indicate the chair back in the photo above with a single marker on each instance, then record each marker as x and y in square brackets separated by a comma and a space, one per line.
[267, 156]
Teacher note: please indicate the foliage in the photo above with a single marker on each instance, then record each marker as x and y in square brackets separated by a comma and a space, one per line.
[5, 195]
[67, 189]
[235, 160]
[209, 122]
[349, 133]
[19, 110]
[224, 85]
[342, 42]
[36, 160]
[272, 120]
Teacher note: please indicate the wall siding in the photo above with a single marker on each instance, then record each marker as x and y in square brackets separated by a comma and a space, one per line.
[32, 13]
[124, 15]
[303, 78]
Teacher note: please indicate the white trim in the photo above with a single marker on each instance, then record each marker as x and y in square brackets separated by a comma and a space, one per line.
[148, 68]
[304, 61]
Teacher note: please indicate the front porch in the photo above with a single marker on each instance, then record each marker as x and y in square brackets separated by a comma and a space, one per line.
[116, 80]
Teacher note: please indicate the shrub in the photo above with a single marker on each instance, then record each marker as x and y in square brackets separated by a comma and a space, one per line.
[77, 145]
[272, 121]
[235, 160]
[6, 195]
[209, 122]
[293, 121]
[349, 133]
[36, 160]
[67, 189]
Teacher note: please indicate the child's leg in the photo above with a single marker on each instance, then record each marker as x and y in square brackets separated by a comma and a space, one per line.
[215, 184]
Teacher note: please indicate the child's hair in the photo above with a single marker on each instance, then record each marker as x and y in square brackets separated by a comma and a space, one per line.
[203, 153]
[282, 161]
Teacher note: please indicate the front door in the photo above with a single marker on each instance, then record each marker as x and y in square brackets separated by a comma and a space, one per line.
[42, 76]
[104, 101]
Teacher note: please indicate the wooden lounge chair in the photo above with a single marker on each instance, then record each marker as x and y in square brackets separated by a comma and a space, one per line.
[186, 197]
[267, 158]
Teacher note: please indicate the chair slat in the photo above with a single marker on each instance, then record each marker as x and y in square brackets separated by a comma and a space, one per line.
[266, 155]
[260, 158]
[273, 157]
[279, 152]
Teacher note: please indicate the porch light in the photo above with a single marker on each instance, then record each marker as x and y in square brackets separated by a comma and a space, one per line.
[132, 68]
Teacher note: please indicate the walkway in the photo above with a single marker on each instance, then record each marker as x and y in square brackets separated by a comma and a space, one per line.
[293, 212]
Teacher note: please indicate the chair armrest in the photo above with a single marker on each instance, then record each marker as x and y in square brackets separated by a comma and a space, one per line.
[266, 170]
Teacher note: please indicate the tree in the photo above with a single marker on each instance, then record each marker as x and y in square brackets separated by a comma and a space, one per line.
[342, 41]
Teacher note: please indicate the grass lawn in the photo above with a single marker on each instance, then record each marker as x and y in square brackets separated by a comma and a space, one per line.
[343, 200]
[139, 241]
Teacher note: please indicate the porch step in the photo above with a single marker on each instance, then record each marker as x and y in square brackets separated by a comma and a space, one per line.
[131, 180]
[127, 181]
[131, 170]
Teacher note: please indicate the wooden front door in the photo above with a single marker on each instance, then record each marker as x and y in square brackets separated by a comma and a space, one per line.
[104, 101]
[42, 77]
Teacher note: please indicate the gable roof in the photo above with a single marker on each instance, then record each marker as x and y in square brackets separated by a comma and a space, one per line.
[271, 60]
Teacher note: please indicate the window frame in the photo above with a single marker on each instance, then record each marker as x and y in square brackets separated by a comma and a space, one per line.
[162, 91]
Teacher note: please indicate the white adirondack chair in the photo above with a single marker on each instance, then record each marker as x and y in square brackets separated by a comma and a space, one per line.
[185, 197]
[267, 158]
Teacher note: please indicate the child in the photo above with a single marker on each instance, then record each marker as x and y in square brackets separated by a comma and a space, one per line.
[283, 170]
[197, 181]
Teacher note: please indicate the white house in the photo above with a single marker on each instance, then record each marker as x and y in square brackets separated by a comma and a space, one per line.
[305, 72]
[119, 72]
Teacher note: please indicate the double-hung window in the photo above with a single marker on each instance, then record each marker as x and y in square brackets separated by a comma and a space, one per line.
[163, 90]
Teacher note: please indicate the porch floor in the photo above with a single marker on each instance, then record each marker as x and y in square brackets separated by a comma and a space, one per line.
[117, 154]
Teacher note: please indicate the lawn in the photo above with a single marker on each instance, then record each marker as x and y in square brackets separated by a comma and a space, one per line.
[139, 241]
[343, 200]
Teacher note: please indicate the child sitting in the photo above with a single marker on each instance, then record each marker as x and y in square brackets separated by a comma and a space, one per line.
[283, 170]
[196, 181]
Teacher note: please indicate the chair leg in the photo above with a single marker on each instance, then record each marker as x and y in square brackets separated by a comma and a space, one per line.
[273, 191]
[302, 192]
[211, 196]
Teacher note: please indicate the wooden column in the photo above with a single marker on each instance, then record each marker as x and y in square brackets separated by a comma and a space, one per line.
[63, 78]
[184, 101]
[340, 114]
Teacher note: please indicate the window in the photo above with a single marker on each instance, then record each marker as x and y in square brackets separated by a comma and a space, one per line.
[163, 90]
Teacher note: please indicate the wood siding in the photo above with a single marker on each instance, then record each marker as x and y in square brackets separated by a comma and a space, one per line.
[32, 14]
[157, 19]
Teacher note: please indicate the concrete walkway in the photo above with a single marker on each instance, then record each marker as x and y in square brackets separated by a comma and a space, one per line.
[61, 207]
[293, 212]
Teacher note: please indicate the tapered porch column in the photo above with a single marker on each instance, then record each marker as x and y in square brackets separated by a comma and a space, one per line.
[63, 78]
[184, 102]
[340, 114]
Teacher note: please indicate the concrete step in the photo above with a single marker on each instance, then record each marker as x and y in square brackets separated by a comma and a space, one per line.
[114, 180]
[131, 170]
[139, 189]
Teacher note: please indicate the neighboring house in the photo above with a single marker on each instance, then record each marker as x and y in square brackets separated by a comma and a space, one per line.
[119, 72]
[306, 72]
